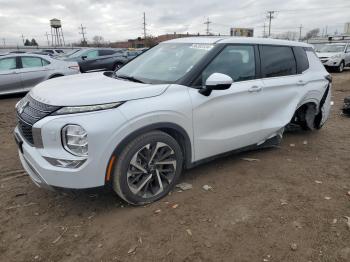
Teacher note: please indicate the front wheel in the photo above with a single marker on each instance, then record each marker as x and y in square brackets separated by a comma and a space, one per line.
[340, 68]
[148, 168]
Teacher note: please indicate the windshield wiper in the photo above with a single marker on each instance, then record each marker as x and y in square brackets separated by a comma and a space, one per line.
[130, 78]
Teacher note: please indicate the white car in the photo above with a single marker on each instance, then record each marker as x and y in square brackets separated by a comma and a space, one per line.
[21, 72]
[179, 104]
[336, 56]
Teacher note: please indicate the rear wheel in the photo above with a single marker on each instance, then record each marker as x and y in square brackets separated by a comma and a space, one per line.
[148, 168]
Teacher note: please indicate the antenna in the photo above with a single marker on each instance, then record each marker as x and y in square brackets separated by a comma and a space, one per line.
[270, 17]
[208, 22]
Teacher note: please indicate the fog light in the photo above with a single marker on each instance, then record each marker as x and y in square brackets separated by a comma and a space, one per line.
[75, 140]
[65, 163]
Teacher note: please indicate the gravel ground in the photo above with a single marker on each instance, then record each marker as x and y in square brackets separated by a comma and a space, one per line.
[288, 206]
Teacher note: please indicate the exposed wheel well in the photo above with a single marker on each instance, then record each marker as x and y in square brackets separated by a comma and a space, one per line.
[55, 75]
[300, 115]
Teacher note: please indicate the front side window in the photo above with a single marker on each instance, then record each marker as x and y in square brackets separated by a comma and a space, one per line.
[165, 63]
[236, 61]
[92, 54]
[8, 63]
[332, 48]
[28, 62]
[277, 61]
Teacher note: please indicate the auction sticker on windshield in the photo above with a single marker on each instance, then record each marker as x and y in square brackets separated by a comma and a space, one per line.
[202, 46]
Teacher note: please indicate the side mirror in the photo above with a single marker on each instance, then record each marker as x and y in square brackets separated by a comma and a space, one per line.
[84, 57]
[216, 81]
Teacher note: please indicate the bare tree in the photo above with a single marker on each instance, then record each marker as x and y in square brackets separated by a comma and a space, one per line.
[97, 40]
[312, 33]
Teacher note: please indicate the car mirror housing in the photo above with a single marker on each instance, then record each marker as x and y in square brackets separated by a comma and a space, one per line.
[216, 81]
[84, 57]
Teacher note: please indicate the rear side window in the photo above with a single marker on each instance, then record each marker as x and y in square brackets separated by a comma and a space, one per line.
[301, 58]
[106, 52]
[277, 61]
[28, 62]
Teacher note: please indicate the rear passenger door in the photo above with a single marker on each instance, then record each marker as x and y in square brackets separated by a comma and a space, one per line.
[282, 87]
[9, 78]
[228, 119]
[33, 71]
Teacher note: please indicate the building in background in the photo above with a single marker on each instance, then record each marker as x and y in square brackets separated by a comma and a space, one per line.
[247, 32]
[347, 29]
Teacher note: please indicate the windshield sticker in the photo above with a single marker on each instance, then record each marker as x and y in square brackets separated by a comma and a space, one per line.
[202, 46]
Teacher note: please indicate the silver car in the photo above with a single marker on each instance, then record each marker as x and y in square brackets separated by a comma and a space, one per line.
[21, 72]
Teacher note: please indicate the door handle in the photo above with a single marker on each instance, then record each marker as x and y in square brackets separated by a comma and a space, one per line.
[301, 82]
[255, 89]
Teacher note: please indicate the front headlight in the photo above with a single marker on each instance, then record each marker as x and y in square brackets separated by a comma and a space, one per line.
[75, 140]
[336, 56]
[82, 109]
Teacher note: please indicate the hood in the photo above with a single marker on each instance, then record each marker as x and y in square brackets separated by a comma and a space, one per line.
[328, 54]
[91, 89]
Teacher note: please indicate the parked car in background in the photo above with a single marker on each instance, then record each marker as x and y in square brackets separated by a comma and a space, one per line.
[53, 52]
[131, 54]
[179, 104]
[21, 72]
[98, 59]
[335, 56]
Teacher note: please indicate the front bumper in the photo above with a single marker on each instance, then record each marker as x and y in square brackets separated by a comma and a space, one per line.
[330, 62]
[92, 172]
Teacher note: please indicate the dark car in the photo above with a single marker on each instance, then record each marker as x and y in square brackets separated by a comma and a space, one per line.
[98, 59]
[346, 107]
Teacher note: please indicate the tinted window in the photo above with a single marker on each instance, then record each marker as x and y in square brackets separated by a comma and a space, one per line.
[28, 62]
[236, 61]
[106, 52]
[301, 57]
[7, 63]
[277, 61]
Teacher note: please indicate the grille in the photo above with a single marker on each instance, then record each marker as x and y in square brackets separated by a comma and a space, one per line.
[30, 111]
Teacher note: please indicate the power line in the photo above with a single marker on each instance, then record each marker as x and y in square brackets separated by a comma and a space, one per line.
[270, 17]
[208, 22]
[83, 32]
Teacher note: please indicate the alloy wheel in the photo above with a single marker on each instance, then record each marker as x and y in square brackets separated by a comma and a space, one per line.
[151, 170]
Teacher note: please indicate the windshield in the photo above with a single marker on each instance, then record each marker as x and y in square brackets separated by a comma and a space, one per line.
[332, 48]
[165, 63]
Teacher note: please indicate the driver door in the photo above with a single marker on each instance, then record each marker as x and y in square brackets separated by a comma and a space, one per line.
[228, 119]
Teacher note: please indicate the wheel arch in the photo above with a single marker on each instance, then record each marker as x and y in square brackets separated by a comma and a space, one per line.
[55, 75]
[174, 130]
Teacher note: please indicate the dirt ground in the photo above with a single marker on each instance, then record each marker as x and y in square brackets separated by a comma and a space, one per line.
[289, 206]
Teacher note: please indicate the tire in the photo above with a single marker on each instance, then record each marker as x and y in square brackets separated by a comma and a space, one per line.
[117, 66]
[306, 118]
[147, 168]
[340, 68]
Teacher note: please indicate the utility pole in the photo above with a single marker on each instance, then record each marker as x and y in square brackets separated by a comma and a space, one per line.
[264, 34]
[270, 17]
[47, 37]
[208, 23]
[83, 33]
[300, 27]
[22, 38]
[144, 26]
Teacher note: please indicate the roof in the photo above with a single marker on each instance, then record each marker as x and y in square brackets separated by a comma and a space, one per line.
[236, 40]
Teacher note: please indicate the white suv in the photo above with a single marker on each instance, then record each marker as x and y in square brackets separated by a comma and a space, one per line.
[177, 105]
[335, 56]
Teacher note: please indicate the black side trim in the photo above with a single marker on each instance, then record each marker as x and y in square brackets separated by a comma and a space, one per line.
[185, 144]
[318, 118]
[274, 141]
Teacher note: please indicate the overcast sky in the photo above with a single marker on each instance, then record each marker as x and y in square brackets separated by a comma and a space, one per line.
[122, 19]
